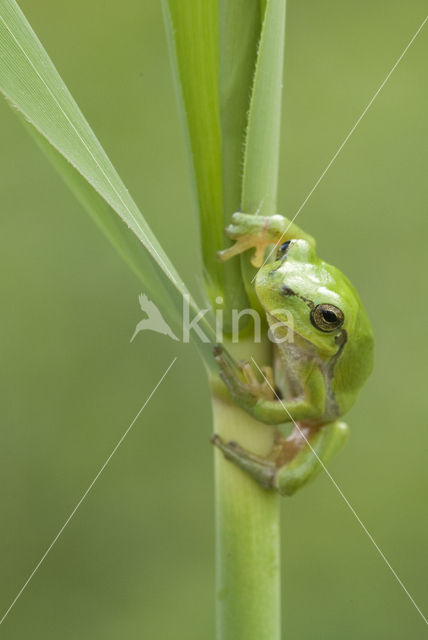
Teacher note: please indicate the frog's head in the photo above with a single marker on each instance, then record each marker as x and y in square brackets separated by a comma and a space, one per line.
[314, 300]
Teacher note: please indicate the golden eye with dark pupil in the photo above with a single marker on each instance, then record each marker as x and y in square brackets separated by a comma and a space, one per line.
[327, 317]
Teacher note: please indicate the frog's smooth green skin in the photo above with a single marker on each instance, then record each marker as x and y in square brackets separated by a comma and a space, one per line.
[323, 345]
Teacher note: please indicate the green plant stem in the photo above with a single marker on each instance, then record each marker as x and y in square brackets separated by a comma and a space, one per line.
[215, 107]
[247, 537]
[247, 516]
[247, 523]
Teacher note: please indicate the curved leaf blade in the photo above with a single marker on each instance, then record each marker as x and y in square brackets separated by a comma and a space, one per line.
[29, 80]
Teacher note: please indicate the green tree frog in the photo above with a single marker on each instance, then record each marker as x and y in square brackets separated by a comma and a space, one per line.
[322, 352]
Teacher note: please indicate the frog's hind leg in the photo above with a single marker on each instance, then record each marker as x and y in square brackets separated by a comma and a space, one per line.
[293, 461]
[311, 449]
[261, 469]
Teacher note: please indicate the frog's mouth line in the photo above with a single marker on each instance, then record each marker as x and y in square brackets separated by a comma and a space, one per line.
[286, 291]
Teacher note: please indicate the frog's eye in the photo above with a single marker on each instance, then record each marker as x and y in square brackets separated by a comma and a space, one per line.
[327, 317]
[282, 249]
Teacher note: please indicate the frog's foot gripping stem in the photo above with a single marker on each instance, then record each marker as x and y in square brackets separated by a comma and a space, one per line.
[259, 398]
[241, 381]
[258, 232]
[293, 461]
[248, 231]
[261, 469]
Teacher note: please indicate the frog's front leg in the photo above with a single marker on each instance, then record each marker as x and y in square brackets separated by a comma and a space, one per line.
[259, 399]
[253, 231]
[294, 461]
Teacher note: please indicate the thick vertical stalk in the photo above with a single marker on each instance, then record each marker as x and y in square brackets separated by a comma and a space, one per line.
[247, 516]
[215, 115]
[247, 537]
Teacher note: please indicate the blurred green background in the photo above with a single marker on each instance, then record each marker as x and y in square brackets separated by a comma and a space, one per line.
[137, 559]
